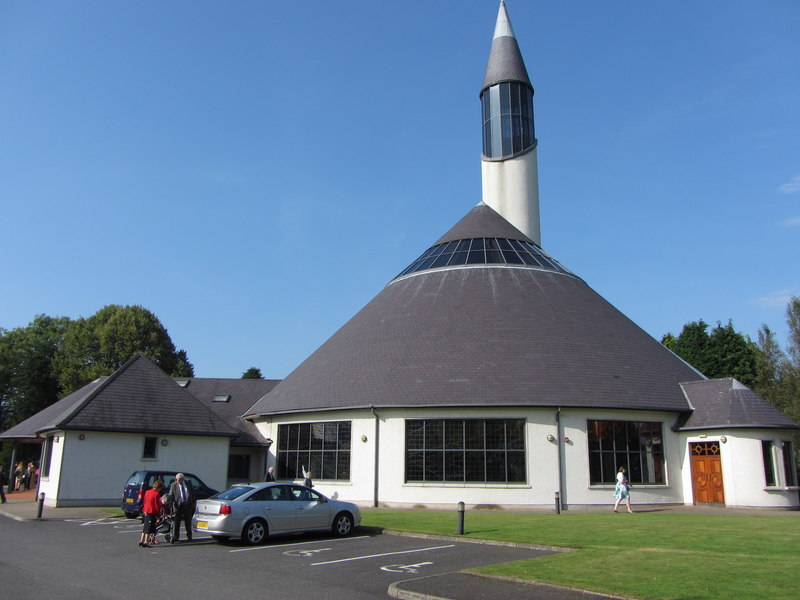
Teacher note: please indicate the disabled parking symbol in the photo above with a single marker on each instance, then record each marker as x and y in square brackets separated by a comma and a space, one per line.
[305, 553]
[405, 568]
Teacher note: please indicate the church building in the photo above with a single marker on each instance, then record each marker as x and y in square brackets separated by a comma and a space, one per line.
[488, 372]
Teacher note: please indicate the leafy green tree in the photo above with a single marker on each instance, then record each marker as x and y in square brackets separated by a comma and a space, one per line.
[731, 354]
[105, 341]
[722, 353]
[669, 341]
[692, 345]
[28, 375]
[793, 320]
[772, 368]
[183, 368]
[252, 373]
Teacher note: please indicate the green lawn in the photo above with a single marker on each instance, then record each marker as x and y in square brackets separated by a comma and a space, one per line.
[654, 555]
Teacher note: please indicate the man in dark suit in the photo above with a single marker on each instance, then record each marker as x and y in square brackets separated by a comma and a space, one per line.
[181, 494]
[270, 474]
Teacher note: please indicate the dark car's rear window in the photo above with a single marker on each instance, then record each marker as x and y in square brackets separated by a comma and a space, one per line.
[233, 493]
[136, 478]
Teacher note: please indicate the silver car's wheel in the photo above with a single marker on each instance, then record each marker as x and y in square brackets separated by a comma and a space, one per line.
[343, 524]
[255, 532]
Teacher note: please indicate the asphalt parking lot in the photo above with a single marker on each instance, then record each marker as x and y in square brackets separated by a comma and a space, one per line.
[100, 558]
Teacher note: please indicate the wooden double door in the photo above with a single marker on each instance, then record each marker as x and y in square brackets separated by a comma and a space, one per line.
[707, 484]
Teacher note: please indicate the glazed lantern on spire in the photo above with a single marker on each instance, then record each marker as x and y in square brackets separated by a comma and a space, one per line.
[509, 161]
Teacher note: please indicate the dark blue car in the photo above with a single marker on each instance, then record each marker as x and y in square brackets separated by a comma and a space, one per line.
[141, 481]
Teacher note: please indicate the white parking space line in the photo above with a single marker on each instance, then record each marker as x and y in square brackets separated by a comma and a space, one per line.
[103, 521]
[360, 537]
[330, 562]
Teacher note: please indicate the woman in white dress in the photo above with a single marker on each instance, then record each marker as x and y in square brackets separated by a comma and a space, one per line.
[622, 491]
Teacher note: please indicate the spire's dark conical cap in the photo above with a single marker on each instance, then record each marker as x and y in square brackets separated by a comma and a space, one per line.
[505, 59]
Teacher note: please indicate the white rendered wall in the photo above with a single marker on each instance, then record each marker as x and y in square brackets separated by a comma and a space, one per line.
[511, 187]
[579, 492]
[743, 477]
[94, 470]
[541, 459]
[49, 485]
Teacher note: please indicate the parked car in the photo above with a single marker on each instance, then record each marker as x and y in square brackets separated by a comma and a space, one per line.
[254, 511]
[141, 481]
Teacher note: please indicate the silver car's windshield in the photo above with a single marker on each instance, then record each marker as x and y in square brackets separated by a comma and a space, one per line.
[233, 493]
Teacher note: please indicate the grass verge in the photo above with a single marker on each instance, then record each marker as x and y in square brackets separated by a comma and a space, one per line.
[655, 555]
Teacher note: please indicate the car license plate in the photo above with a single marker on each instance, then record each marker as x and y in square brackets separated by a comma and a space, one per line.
[129, 500]
[202, 524]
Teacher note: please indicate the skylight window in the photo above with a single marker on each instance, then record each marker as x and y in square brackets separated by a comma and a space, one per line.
[484, 251]
[222, 398]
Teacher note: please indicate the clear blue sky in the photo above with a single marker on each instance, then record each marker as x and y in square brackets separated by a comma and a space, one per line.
[254, 172]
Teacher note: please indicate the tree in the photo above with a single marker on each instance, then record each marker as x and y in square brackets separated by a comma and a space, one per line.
[722, 353]
[731, 354]
[102, 343]
[252, 373]
[691, 345]
[28, 375]
[793, 320]
[669, 341]
[772, 366]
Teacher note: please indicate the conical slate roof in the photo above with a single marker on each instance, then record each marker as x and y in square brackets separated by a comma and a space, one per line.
[483, 221]
[482, 335]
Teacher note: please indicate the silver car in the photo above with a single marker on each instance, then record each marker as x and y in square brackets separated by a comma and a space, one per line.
[253, 511]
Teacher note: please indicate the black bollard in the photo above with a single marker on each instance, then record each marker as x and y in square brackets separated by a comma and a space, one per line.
[460, 518]
[40, 507]
[558, 503]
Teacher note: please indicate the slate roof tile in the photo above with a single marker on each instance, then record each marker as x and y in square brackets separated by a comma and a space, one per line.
[726, 403]
[242, 393]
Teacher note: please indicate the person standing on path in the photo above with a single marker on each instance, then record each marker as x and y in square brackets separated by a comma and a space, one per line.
[182, 495]
[3, 478]
[622, 491]
[151, 508]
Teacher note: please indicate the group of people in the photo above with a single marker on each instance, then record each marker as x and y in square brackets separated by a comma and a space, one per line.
[23, 477]
[179, 501]
[26, 476]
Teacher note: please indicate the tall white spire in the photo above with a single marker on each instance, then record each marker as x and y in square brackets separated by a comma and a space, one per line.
[509, 163]
[503, 26]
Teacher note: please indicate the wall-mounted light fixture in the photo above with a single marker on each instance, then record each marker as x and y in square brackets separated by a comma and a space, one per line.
[550, 437]
[165, 442]
[364, 438]
[81, 437]
[723, 439]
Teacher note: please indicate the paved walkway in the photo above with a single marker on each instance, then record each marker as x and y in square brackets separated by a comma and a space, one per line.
[23, 506]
